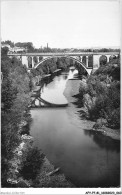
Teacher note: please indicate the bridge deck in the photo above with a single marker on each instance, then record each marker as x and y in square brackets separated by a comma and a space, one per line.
[64, 54]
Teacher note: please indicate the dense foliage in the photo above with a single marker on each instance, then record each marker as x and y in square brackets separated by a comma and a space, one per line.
[49, 66]
[15, 97]
[103, 90]
[32, 161]
[28, 45]
[8, 42]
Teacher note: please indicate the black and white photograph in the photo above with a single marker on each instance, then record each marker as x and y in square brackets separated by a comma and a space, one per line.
[60, 96]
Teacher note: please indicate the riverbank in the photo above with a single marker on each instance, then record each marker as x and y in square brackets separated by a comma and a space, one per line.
[71, 93]
[38, 78]
[51, 177]
[48, 176]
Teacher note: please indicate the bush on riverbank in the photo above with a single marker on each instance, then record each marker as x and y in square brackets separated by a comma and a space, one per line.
[101, 96]
[32, 162]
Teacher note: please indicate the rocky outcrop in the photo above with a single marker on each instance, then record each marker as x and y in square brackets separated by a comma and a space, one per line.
[14, 179]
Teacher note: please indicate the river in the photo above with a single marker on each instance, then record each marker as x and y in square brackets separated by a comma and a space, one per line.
[87, 158]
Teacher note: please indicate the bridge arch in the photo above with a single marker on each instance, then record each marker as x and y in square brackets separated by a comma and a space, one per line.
[69, 57]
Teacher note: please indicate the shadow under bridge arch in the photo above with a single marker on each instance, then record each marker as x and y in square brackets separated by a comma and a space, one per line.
[68, 57]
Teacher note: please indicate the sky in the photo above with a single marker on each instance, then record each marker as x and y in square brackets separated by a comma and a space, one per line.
[62, 24]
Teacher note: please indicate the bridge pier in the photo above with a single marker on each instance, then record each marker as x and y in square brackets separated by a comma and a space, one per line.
[87, 60]
[81, 57]
[24, 60]
[108, 57]
[38, 59]
[32, 58]
[96, 61]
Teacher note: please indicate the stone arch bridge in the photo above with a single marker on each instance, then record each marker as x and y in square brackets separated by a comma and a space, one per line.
[83, 58]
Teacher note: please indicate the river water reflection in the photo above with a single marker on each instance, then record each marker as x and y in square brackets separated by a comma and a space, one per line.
[87, 158]
[53, 92]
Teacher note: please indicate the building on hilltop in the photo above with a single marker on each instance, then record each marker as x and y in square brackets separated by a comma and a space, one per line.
[14, 49]
[18, 49]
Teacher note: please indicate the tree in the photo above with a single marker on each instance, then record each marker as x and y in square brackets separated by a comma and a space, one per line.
[32, 162]
[4, 51]
[15, 98]
[28, 45]
[8, 42]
